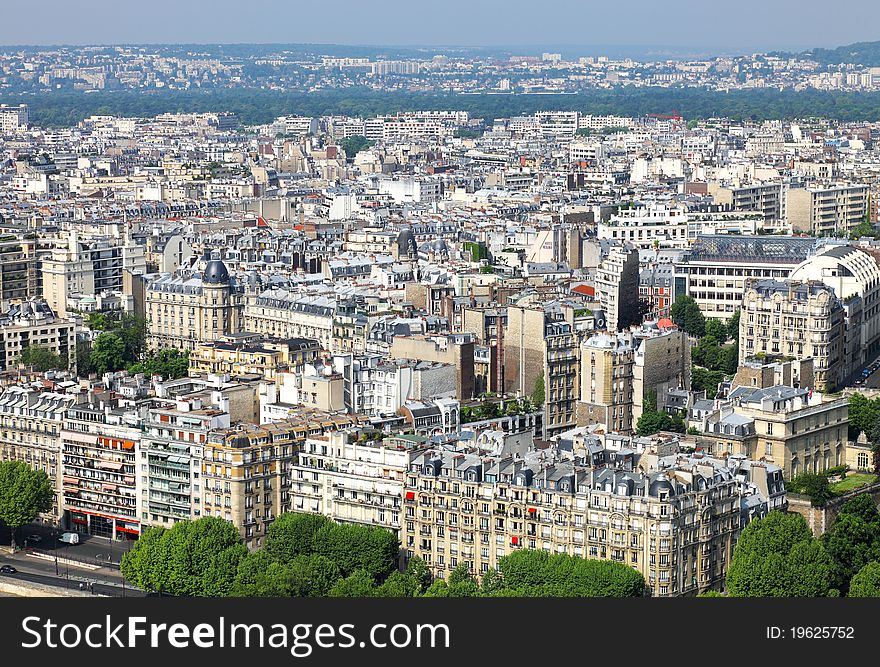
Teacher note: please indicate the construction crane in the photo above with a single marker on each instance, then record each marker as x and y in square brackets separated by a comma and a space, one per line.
[674, 116]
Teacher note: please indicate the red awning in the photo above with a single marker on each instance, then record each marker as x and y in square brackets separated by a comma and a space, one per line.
[532, 510]
[514, 540]
[410, 495]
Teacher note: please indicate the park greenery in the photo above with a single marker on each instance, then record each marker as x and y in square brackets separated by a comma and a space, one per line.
[716, 354]
[489, 408]
[308, 555]
[260, 106]
[24, 493]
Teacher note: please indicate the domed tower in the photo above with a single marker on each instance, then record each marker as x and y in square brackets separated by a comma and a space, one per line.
[406, 244]
[218, 313]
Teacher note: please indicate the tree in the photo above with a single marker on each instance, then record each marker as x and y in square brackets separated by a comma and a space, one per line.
[717, 329]
[703, 379]
[777, 556]
[313, 576]
[686, 314]
[24, 493]
[538, 393]
[354, 547]
[813, 485]
[194, 558]
[866, 582]
[355, 144]
[733, 325]
[398, 585]
[538, 573]
[359, 584]
[169, 363]
[41, 359]
[260, 575]
[108, 353]
[294, 534]
[853, 540]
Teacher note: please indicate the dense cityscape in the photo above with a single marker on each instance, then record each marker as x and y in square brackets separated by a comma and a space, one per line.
[429, 353]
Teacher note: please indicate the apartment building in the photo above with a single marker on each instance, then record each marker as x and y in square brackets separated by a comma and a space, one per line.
[798, 320]
[675, 519]
[264, 358]
[455, 349]
[826, 210]
[652, 226]
[281, 313]
[617, 287]
[796, 429]
[185, 311]
[30, 423]
[171, 453]
[100, 443]
[560, 378]
[32, 323]
[13, 119]
[606, 390]
[353, 478]
[768, 199]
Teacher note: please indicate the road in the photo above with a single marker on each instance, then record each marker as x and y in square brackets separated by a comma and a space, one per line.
[106, 554]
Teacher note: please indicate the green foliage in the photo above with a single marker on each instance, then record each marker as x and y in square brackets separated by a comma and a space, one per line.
[813, 485]
[538, 573]
[294, 534]
[702, 379]
[710, 594]
[717, 329]
[359, 584]
[653, 420]
[864, 228]
[24, 493]
[108, 353]
[41, 359]
[733, 325]
[852, 542]
[129, 328]
[866, 582]
[465, 133]
[314, 575]
[194, 558]
[260, 575]
[353, 547]
[777, 556]
[864, 415]
[169, 363]
[355, 144]
[538, 393]
[686, 314]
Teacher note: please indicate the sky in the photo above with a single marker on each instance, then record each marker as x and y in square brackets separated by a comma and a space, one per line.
[697, 25]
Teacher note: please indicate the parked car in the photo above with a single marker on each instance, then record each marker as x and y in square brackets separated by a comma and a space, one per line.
[7, 569]
[70, 538]
[34, 538]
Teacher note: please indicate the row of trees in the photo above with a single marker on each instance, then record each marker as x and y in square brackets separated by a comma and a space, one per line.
[778, 556]
[308, 555]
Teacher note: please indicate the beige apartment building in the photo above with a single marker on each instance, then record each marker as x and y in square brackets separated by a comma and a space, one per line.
[674, 519]
[793, 428]
[185, 311]
[823, 210]
[30, 424]
[798, 320]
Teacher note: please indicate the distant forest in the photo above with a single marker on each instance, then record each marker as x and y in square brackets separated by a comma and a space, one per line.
[866, 54]
[59, 109]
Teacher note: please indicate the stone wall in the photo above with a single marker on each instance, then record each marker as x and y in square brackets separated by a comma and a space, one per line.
[820, 518]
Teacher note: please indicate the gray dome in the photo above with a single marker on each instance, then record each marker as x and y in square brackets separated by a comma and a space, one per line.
[216, 273]
[661, 483]
[406, 242]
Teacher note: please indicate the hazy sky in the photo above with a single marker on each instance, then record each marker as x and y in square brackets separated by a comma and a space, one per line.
[690, 24]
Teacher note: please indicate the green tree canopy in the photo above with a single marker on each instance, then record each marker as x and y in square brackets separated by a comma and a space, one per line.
[777, 556]
[538, 573]
[355, 144]
[686, 314]
[866, 582]
[169, 363]
[108, 353]
[24, 493]
[41, 359]
[294, 534]
[194, 558]
[538, 393]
